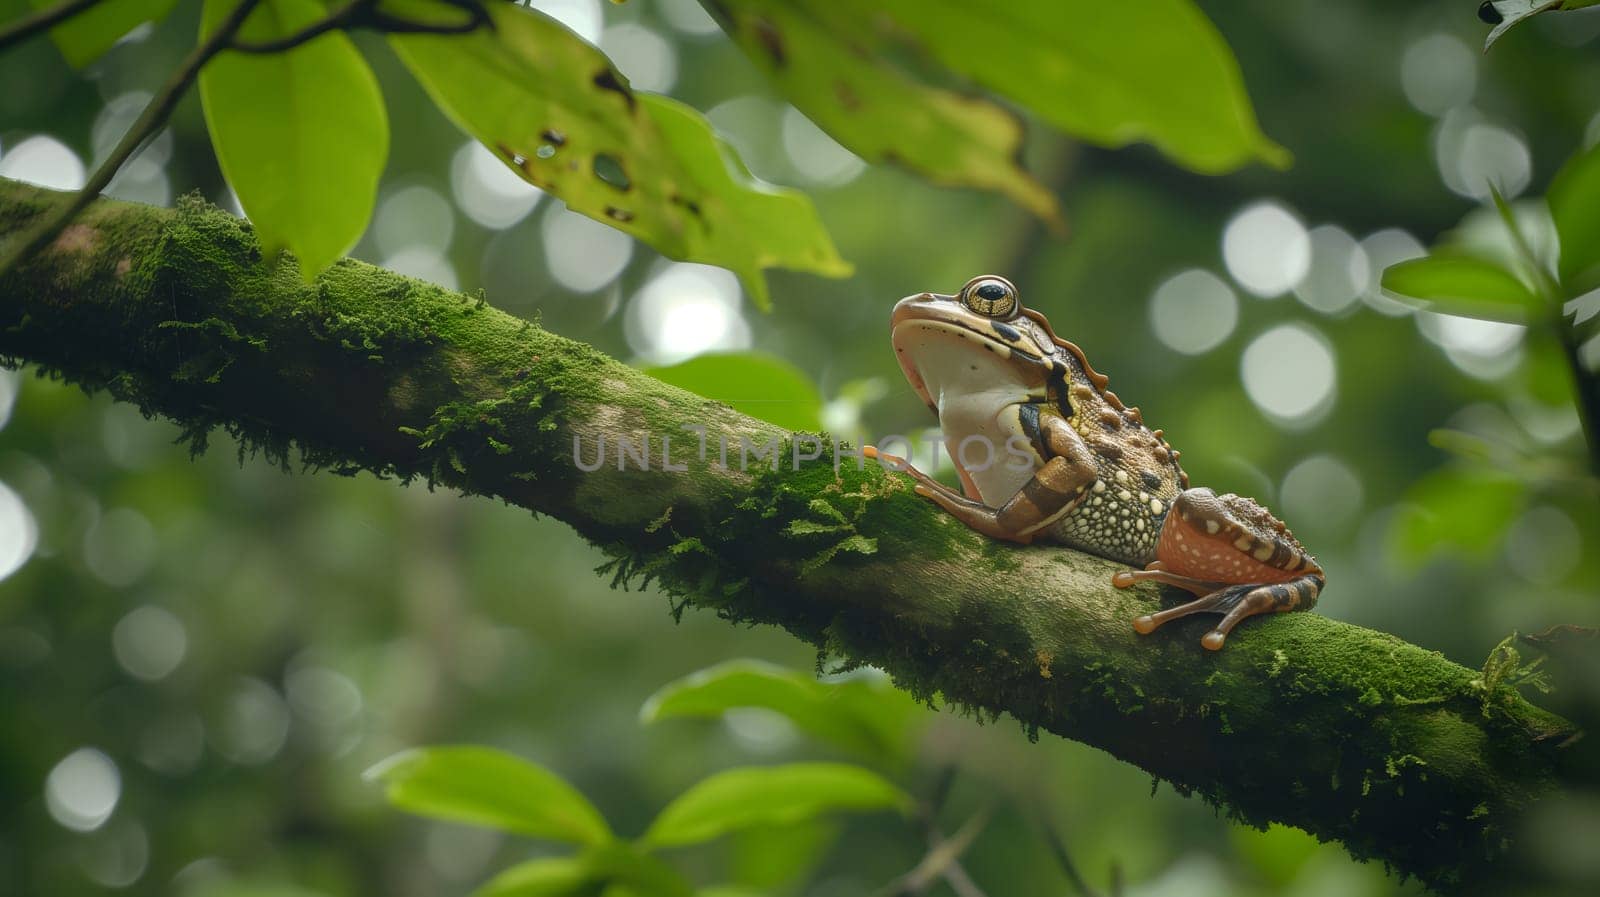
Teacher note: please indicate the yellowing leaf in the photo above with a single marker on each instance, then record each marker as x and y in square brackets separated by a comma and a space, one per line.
[553, 108]
[878, 111]
[1109, 73]
[301, 136]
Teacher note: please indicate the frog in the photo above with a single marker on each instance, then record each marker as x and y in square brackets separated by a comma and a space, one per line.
[1046, 452]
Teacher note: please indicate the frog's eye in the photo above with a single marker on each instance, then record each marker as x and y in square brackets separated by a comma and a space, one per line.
[992, 296]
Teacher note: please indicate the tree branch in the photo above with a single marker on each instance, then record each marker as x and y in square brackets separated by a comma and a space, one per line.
[29, 25]
[1347, 733]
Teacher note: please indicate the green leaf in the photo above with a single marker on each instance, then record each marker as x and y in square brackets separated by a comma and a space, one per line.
[543, 877]
[301, 136]
[878, 111]
[1461, 285]
[1467, 508]
[492, 788]
[88, 35]
[866, 716]
[553, 108]
[1109, 73]
[625, 870]
[753, 383]
[770, 795]
[1574, 199]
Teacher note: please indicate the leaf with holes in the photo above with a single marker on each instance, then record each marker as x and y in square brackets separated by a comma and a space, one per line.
[88, 35]
[1109, 73]
[553, 108]
[301, 136]
[878, 111]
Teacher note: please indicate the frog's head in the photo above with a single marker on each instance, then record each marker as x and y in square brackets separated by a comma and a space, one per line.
[978, 340]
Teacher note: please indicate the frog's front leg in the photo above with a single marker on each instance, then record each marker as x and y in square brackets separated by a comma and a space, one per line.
[1232, 553]
[1052, 491]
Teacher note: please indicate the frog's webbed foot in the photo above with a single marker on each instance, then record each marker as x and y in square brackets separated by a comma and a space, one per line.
[1234, 602]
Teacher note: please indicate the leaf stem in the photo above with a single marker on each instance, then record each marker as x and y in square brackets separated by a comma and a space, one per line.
[366, 14]
[28, 26]
[150, 121]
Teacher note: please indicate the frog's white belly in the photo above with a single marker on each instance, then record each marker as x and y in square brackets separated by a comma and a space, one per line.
[978, 427]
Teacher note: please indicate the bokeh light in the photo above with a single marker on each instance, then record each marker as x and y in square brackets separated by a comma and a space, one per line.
[149, 642]
[1472, 155]
[45, 161]
[82, 790]
[1385, 248]
[117, 855]
[487, 190]
[1289, 373]
[683, 310]
[817, 157]
[254, 723]
[1322, 494]
[1438, 73]
[1544, 545]
[1339, 271]
[414, 215]
[581, 253]
[688, 17]
[19, 534]
[1487, 350]
[1193, 311]
[424, 263]
[582, 16]
[120, 547]
[645, 58]
[1266, 249]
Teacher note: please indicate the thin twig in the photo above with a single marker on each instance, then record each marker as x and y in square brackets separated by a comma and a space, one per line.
[150, 121]
[29, 25]
[943, 860]
[1058, 849]
[366, 14]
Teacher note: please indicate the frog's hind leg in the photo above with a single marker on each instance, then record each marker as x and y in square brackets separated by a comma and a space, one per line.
[1234, 555]
[1237, 602]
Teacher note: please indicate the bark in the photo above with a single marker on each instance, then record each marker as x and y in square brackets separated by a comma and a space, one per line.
[1347, 733]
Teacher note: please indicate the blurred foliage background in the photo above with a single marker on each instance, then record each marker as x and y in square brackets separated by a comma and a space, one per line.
[198, 658]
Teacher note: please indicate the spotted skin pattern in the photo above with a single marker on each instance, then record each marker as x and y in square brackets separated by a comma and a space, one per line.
[1099, 479]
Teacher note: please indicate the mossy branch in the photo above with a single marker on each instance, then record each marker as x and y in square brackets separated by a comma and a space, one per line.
[1347, 733]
